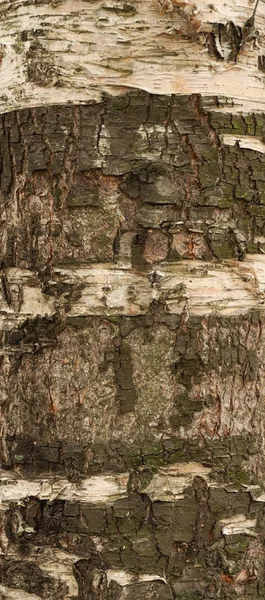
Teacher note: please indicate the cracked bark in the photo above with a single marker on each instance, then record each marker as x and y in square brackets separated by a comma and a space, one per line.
[132, 300]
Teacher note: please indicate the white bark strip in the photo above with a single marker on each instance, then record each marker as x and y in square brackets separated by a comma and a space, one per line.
[239, 525]
[229, 288]
[167, 485]
[123, 578]
[17, 594]
[100, 489]
[55, 563]
[84, 48]
[170, 483]
[244, 141]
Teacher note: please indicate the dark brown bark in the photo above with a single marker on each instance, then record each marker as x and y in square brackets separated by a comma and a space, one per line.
[131, 424]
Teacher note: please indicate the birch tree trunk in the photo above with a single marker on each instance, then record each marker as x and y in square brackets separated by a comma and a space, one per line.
[132, 379]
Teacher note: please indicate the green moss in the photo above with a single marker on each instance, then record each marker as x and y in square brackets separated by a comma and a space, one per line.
[223, 251]
[237, 548]
[131, 451]
[227, 198]
[251, 129]
[154, 461]
[222, 243]
[221, 121]
[239, 126]
[260, 121]
[244, 192]
[252, 248]
[226, 201]
[256, 211]
[262, 198]
[238, 475]
[133, 462]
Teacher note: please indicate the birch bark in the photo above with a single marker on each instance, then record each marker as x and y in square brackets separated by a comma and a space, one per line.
[132, 382]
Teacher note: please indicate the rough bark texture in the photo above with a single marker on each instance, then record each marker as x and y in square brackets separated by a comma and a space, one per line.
[132, 323]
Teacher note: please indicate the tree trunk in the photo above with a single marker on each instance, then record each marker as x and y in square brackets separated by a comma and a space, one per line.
[132, 181]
